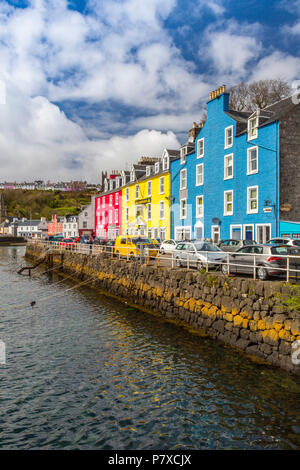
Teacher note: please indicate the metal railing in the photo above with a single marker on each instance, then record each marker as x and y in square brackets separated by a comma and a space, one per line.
[144, 255]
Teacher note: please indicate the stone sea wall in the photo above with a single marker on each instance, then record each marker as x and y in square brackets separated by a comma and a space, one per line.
[262, 319]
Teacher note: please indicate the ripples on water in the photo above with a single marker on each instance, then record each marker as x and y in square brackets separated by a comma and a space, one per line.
[86, 372]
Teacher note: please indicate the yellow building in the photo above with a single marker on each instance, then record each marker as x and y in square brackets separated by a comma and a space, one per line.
[146, 199]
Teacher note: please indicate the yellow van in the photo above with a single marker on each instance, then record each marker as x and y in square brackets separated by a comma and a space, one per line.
[131, 246]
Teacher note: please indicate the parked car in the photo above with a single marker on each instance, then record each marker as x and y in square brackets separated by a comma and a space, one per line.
[129, 245]
[167, 246]
[284, 241]
[234, 245]
[197, 254]
[67, 242]
[55, 239]
[109, 246]
[270, 261]
[86, 239]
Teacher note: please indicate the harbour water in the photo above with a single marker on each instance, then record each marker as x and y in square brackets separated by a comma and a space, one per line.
[86, 372]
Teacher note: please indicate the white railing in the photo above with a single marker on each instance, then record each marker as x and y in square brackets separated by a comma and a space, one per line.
[290, 269]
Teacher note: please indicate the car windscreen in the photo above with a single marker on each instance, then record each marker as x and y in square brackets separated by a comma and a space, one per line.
[279, 250]
[206, 247]
[250, 242]
[296, 242]
[141, 240]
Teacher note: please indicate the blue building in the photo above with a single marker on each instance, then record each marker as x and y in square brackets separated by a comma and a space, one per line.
[232, 175]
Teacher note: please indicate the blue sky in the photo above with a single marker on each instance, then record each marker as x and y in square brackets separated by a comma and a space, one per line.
[95, 84]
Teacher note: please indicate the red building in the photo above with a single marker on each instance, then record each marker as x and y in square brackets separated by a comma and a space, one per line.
[108, 214]
[55, 226]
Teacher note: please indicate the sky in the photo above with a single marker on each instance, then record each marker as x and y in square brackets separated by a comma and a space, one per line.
[92, 85]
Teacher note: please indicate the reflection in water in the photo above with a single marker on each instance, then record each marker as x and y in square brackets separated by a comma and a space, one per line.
[86, 372]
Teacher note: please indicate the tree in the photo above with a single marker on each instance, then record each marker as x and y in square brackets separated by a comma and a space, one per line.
[259, 94]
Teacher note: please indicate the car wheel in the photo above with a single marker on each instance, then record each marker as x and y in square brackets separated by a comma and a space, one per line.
[225, 269]
[262, 273]
[132, 257]
[178, 263]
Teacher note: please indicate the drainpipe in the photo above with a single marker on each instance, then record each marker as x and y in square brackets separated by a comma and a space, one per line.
[277, 211]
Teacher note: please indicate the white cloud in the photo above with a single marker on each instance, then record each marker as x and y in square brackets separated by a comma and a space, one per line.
[232, 47]
[277, 65]
[45, 143]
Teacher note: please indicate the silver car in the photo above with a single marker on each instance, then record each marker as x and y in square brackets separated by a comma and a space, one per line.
[231, 245]
[268, 261]
[284, 241]
[198, 254]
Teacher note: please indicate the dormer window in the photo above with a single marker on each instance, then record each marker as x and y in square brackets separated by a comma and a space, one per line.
[123, 181]
[137, 191]
[165, 163]
[253, 128]
[200, 148]
[156, 167]
[183, 151]
[117, 182]
[111, 184]
[148, 170]
[106, 185]
[131, 176]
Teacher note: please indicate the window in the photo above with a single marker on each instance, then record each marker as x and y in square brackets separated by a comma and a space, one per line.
[182, 208]
[252, 128]
[103, 202]
[228, 137]
[162, 233]
[116, 216]
[110, 199]
[149, 188]
[199, 174]
[156, 167]
[228, 166]
[110, 217]
[252, 160]
[200, 148]
[149, 232]
[228, 202]
[183, 179]
[149, 211]
[199, 206]
[162, 210]
[165, 163]
[183, 151]
[103, 218]
[127, 194]
[127, 214]
[162, 185]
[117, 199]
[137, 191]
[148, 170]
[117, 182]
[132, 176]
[252, 200]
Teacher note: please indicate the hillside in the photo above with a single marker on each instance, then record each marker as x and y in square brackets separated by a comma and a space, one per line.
[35, 204]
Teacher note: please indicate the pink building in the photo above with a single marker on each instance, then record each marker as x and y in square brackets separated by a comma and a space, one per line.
[108, 214]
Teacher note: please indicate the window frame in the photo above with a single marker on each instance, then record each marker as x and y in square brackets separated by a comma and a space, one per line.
[226, 202]
[198, 214]
[254, 136]
[181, 216]
[200, 165]
[161, 205]
[226, 145]
[200, 155]
[162, 180]
[249, 210]
[183, 171]
[248, 160]
[226, 167]
[136, 192]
